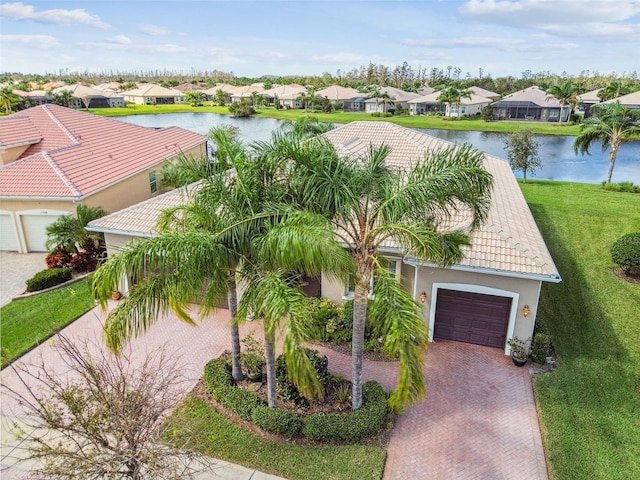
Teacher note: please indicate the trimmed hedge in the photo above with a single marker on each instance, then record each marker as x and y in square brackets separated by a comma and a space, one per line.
[277, 421]
[625, 253]
[48, 278]
[540, 348]
[364, 422]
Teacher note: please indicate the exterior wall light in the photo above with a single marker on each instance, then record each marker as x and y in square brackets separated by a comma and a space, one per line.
[423, 297]
[526, 310]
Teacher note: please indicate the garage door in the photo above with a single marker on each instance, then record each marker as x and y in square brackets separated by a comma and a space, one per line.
[8, 235]
[472, 318]
[35, 231]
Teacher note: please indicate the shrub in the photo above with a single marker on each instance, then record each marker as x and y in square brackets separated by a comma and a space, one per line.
[276, 421]
[48, 278]
[240, 401]
[364, 422]
[217, 374]
[627, 187]
[59, 258]
[540, 348]
[287, 390]
[625, 253]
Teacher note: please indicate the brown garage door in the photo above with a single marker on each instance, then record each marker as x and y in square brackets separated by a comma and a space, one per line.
[472, 318]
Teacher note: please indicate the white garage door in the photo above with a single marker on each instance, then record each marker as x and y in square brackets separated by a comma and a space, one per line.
[35, 231]
[8, 235]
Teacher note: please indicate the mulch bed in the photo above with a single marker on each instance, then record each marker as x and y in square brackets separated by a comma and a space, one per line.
[618, 272]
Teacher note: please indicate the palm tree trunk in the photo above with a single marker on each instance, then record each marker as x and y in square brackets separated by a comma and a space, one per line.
[357, 343]
[232, 298]
[612, 159]
[270, 354]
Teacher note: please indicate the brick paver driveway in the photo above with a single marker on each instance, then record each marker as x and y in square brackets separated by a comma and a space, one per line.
[478, 421]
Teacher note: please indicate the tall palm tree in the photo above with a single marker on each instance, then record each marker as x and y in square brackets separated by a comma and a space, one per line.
[237, 227]
[8, 100]
[566, 93]
[305, 127]
[613, 125]
[452, 95]
[368, 204]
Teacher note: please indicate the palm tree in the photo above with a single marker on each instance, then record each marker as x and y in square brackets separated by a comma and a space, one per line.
[566, 93]
[304, 98]
[237, 227]
[613, 125]
[305, 127]
[8, 100]
[369, 203]
[68, 231]
[452, 95]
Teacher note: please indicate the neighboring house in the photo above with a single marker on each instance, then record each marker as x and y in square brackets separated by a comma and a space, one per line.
[32, 98]
[356, 104]
[91, 97]
[53, 157]
[587, 100]
[336, 93]
[225, 87]
[399, 97]
[287, 95]
[243, 93]
[631, 100]
[530, 104]
[489, 297]
[425, 90]
[188, 87]
[468, 107]
[426, 104]
[151, 94]
[484, 93]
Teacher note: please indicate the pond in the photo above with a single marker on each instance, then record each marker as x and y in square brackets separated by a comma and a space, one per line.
[559, 162]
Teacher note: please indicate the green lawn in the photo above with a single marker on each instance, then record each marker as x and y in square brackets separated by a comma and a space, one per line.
[213, 434]
[590, 405]
[411, 121]
[26, 322]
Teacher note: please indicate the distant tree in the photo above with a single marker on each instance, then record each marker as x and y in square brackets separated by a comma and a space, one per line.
[243, 108]
[304, 98]
[103, 419]
[613, 125]
[487, 113]
[522, 151]
[452, 95]
[8, 100]
[195, 98]
[220, 98]
[613, 90]
[566, 93]
[65, 98]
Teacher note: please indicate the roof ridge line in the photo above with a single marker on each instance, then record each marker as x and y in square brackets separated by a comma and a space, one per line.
[72, 188]
[60, 125]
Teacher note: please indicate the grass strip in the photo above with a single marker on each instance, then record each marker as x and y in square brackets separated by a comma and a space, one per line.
[589, 407]
[209, 432]
[27, 322]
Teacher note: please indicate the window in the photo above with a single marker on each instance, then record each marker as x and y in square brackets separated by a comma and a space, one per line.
[153, 183]
[394, 266]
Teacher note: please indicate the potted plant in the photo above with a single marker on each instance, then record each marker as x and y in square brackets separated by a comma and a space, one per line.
[519, 351]
[252, 358]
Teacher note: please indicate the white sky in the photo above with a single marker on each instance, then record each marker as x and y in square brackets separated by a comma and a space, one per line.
[310, 37]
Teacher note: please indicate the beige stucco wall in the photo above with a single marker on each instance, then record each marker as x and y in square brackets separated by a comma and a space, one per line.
[429, 280]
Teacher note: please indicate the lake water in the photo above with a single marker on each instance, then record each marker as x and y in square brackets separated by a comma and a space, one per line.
[556, 152]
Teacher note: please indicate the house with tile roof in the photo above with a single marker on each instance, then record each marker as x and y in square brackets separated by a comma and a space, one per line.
[531, 103]
[488, 298]
[427, 104]
[52, 158]
[631, 100]
[152, 94]
[91, 97]
[589, 99]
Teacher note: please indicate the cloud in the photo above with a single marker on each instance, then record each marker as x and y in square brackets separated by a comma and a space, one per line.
[32, 41]
[464, 42]
[153, 30]
[341, 58]
[21, 12]
[119, 40]
[566, 18]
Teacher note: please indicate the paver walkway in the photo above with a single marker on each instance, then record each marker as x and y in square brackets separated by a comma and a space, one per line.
[15, 270]
[477, 422]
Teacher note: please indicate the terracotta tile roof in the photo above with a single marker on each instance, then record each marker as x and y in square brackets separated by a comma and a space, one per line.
[508, 242]
[140, 220]
[18, 129]
[81, 153]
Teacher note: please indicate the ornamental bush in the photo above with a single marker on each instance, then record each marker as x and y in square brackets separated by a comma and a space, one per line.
[364, 422]
[540, 348]
[276, 421]
[48, 278]
[625, 253]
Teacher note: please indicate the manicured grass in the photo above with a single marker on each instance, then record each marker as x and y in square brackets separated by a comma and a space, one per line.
[28, 321]
[590, 405]
[412, 121]
[213, 434]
